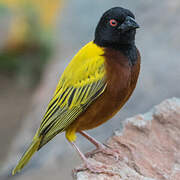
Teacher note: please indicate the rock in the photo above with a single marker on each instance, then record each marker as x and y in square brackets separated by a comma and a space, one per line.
[149, 147]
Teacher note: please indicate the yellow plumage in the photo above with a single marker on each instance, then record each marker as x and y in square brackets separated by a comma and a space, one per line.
[27, 155]
[82, 82]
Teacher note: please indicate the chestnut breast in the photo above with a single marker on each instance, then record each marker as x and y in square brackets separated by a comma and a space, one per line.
[121, 81]
[122, 75]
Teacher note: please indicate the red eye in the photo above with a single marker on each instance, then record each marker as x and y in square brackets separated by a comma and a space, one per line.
[113, 22]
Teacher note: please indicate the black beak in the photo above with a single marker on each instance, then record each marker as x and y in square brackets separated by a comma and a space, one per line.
[128, 24]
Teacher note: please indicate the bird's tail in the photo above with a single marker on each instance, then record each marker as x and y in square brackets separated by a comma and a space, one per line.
[27, 155]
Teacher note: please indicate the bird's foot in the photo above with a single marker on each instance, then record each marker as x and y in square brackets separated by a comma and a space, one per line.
[109, 151]
[101, 147]
[105, 150]
[95, 167]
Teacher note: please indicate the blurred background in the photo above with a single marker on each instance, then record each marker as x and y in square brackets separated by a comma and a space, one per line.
[38, 38]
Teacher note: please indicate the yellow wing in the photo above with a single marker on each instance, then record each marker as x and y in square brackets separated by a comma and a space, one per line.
[81, 83]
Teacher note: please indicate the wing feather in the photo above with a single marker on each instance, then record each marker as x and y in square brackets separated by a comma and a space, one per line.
[82, 82]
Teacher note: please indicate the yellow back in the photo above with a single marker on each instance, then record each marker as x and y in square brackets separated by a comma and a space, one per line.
[81, 83]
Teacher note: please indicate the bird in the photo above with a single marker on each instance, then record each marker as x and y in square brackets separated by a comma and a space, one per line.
[94, 86]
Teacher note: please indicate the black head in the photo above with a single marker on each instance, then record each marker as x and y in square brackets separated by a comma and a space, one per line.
[116, 28]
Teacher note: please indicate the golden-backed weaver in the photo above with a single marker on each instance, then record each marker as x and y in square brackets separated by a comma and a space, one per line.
[95, 85]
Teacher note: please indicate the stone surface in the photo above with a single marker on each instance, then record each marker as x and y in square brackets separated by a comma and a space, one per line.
[149, 147]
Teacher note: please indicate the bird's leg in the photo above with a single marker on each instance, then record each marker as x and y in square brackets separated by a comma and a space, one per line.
[82, 156]
[92, 166]
[98, 144]
[101, 147]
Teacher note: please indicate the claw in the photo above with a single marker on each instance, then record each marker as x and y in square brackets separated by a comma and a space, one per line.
[101, 147]
[105, 150]
[95, 167]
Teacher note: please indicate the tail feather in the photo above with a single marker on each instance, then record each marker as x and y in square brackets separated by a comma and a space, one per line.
[27, 155]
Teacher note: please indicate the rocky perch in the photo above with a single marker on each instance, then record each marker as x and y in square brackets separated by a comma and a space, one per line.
[149, 147]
